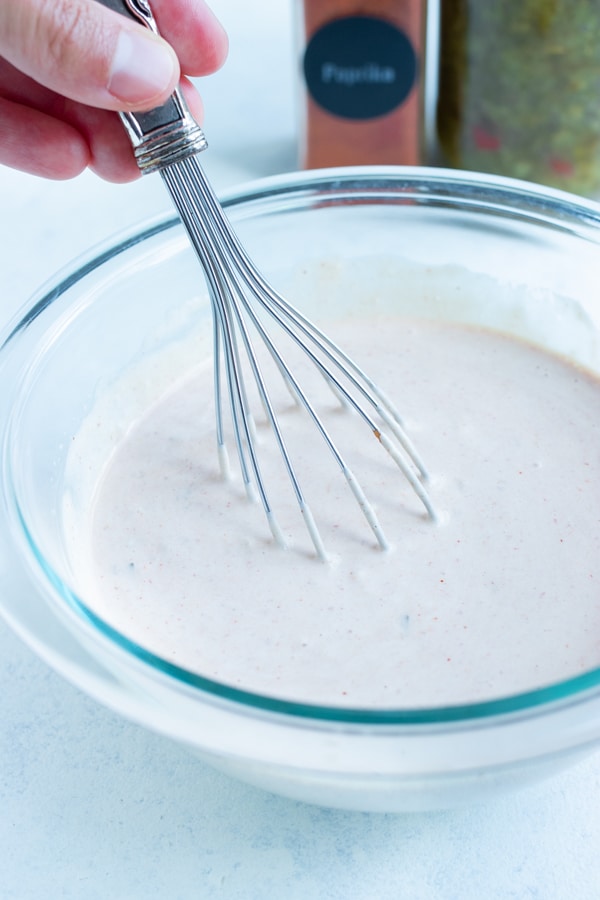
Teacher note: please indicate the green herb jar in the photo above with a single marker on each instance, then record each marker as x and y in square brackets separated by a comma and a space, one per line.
[519, 89]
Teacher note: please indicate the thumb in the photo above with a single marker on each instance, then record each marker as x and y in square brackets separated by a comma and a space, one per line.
[88, 53]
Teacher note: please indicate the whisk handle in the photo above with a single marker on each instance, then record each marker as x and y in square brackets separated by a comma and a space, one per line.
[168, 133]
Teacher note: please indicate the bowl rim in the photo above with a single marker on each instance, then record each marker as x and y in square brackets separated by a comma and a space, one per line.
[523, 199]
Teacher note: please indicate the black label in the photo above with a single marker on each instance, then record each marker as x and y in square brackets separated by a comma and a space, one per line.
[360, 67]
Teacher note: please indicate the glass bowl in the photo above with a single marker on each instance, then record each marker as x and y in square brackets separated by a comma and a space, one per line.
[124, 304]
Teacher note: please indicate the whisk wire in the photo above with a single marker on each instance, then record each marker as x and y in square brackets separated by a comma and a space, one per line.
[223, 296]
[213, 238]
[218, 232]
[277, 306]
[224, 337]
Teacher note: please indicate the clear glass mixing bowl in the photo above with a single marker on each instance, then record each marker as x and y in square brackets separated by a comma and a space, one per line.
[122, 304]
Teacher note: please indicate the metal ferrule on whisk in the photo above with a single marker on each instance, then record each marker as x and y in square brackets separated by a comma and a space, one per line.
[164, 135]
[168, 133]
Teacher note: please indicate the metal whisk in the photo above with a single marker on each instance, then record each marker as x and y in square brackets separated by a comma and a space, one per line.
[167, 139]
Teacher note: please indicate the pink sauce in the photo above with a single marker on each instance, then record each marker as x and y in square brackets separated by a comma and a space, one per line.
[502, 595]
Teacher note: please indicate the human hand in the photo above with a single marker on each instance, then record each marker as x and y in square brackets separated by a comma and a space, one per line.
[67, 65]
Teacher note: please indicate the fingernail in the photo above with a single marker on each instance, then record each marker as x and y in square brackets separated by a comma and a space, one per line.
[142, 67]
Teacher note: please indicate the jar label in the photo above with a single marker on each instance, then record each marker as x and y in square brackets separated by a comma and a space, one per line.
[360, 67]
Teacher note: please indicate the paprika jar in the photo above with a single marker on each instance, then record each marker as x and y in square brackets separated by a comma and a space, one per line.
[519, 90]
[362, 75]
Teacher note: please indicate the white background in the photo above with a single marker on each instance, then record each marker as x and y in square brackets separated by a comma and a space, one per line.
[94, 807]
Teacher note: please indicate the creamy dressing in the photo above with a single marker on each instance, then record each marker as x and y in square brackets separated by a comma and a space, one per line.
[500, 595]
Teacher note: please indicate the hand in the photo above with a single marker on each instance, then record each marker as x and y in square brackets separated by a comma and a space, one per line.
[67, 65]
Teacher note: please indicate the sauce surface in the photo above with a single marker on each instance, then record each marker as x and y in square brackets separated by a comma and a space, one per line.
[501, 595]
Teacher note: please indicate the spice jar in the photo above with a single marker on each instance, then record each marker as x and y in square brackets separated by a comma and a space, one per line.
[519, 89]
[362, 77]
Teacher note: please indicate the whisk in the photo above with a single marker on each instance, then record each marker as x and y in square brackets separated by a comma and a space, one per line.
[168, 140]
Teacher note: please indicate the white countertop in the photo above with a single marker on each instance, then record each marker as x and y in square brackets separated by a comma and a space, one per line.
[92, 806]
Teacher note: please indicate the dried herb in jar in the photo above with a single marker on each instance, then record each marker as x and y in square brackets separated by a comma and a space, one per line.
[519, 89]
